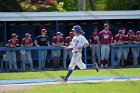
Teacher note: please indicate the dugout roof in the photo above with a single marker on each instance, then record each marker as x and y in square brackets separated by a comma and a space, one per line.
[77, 15]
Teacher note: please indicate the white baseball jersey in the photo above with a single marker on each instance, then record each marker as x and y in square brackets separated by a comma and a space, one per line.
[78, 41]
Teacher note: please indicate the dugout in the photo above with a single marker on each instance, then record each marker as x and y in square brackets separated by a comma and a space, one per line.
[31, 22]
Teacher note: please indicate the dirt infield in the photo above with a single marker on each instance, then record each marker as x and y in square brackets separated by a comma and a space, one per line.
[19, 87]
[13, 87]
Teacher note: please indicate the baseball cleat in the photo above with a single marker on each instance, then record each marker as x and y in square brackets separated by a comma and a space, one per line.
[96, 67]
[63, 78]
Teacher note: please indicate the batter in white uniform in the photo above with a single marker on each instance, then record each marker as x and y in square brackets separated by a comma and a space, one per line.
[77, 44]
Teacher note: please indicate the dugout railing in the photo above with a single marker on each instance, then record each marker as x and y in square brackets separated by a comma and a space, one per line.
[39, 48]
[114, 46]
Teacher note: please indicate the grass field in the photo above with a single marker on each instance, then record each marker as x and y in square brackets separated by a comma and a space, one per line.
[55, 74]
[101, 87]
[98, 87]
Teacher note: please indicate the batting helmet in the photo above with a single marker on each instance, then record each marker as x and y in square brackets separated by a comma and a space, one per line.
[77, 28]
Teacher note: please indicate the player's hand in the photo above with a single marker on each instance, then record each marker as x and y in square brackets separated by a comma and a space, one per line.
[85, 45]
[79, 48]
[65, 48]
[12, 46]
[37, 45]
[27, 45]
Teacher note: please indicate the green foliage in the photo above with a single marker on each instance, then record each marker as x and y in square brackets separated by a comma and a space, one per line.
[66, 5]
[70, 5]
[41, 5]
[9, 6]
[122, 5]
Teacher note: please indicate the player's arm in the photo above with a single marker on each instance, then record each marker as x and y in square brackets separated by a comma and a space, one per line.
[48, 43]
[98, 40]
[36, 41]
[111, 40]
[86, 45]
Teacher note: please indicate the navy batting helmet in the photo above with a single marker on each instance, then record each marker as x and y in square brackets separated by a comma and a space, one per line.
[77, 28]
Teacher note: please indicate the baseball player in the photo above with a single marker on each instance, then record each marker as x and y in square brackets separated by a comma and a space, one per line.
[11, 55]
[106, 38]
[57, 40]
[43, 40]
[119, 39]
[130, 39]
[26, 54]
[125, 51]
[138, 48]
[95, 45]
[67, 52]
[77, 44]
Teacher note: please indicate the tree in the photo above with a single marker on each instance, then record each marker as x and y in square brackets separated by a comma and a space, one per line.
[41, 5]
[70, 5]
[122, 5]
[10, 6]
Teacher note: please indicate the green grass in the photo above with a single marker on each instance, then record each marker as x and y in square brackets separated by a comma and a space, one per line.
[54, 74]
[100, 87]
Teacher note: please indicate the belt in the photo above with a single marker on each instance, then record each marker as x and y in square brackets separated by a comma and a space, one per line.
[77, 51]
[105, 44]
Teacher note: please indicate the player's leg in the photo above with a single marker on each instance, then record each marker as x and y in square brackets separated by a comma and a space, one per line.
[81, 65]
[107, 55]
[135, 56]
[118, 54]
[9, 58]
[125, 55]
[54, 55]
[29, 59]
[58, 60]
[72, 65]
[98, 52]
[65, 54]
[23, 58]
[93, 53]
[138, 52]
[70, 53]
[102, 55]
[14, 60]
[79, 62]
[44, 54]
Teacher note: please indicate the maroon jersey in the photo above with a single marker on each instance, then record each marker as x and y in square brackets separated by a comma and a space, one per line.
[27, 42]
[93, 38]
[118, 38]
[105, 37]
[56, 41]
[13, 42]
[67, 40]
[129, 39]
[137, 39]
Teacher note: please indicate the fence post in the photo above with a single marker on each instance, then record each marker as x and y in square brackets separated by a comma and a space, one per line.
[39, 59]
